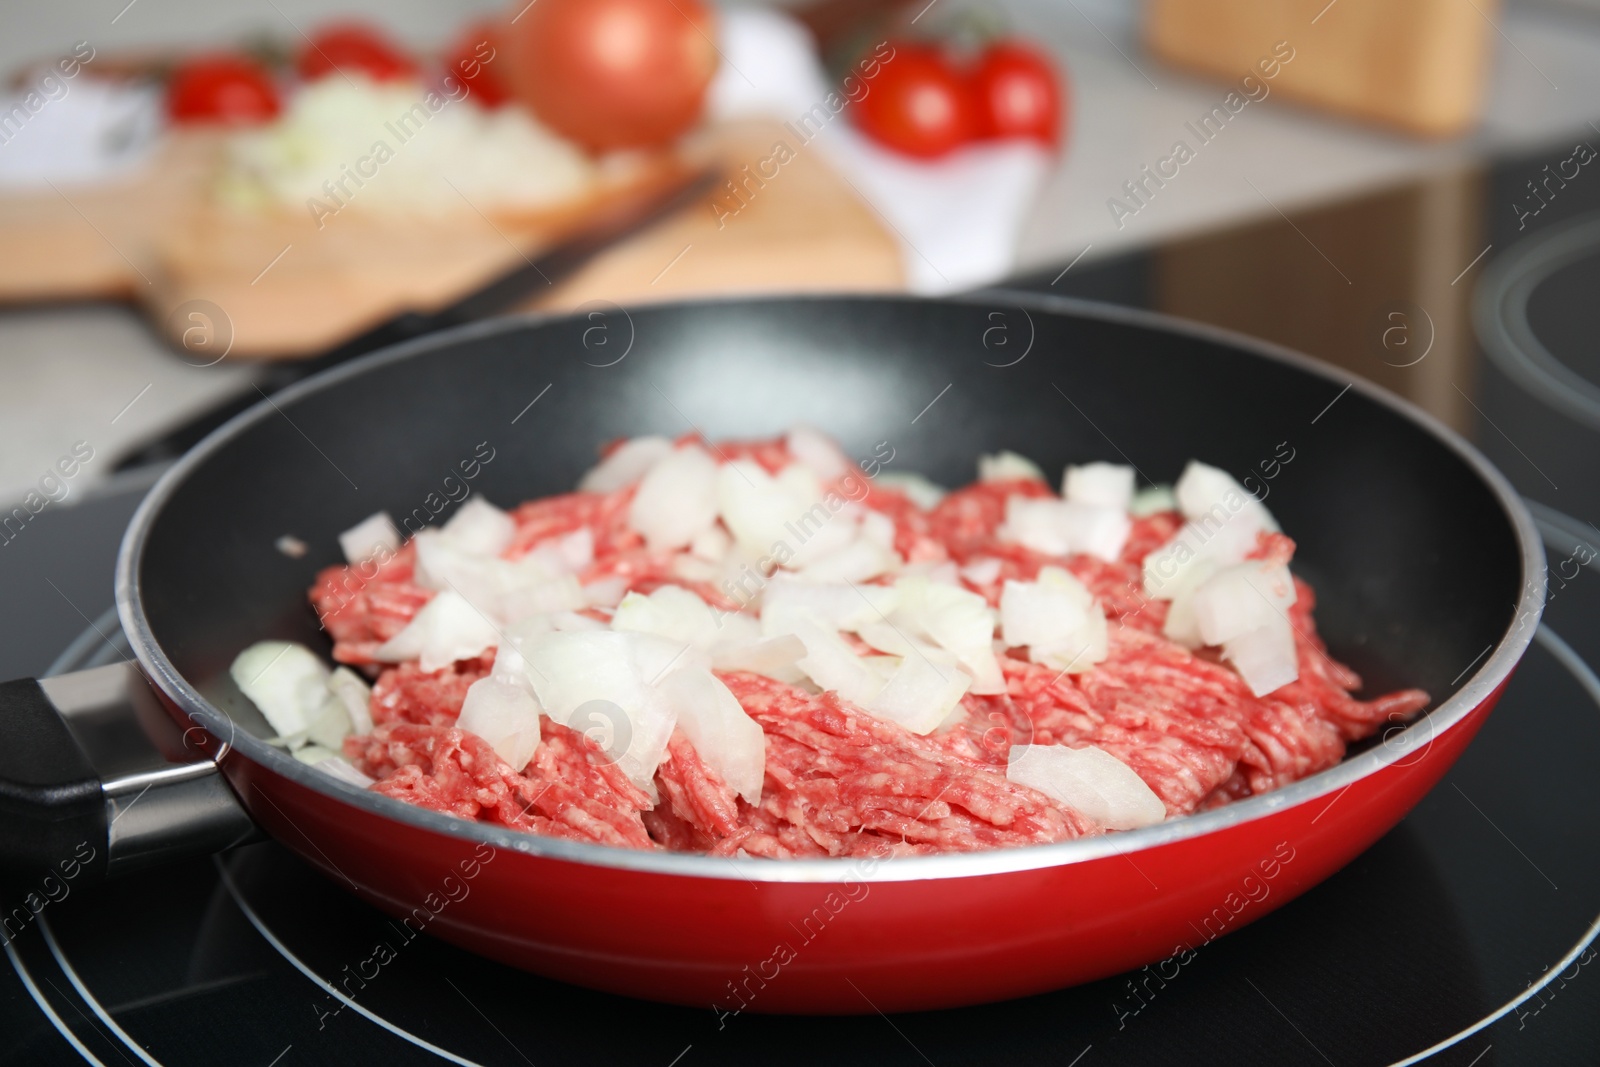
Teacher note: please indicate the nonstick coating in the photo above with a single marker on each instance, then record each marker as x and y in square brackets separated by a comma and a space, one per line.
[1415, 563]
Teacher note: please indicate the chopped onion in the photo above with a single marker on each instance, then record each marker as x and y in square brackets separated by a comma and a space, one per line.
[479, 528]
[1199, 548]
[671, 612]
[877, 528]
[1062, 527]
[342, 769]
[285, 680]
[373, 536]
[840, 605]
[731, 743]
[625, 464]
[829, 661]
[315, 754]
[921, 692]
[1057, 618]
[447, 628]
[329, 725]
[922, 492]
[775, 657]
[356, 696]
[857, 561]
[605, 592]
[1105, 485]
[711, 544]
[1240, 598]
[959, 622]
[817, 451]
[1090, 781]
[525, 595]
[593, 682]
[676, 500]
[576, 549]
[505, 715]
[1206, 491]
[1008, 467]
[1264, 657]
[1151, 500]
[984, 570]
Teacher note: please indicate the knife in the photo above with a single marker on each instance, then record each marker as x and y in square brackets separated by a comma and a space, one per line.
[624, 218]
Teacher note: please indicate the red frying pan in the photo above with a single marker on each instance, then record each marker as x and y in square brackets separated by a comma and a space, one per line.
[1428, 570]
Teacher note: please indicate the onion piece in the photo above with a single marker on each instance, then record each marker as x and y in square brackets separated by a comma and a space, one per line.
[984, 570]
[353, 692]
[1151, 500]
[478, 528]
[342, 769]
[1006, 466]
[448, 628]
[676, 500]
[1057, 618]
[593, 682]
[1204, 490]
[314, 754]
[1264, 657]
[921, 692]
[959, 622]
[711, 544]
[286, 681]
[1105, 485]
[374, 535]
[922, 492]
[625, 464]
[671, 612]
[858, 561]
[505, 715]
[1062, 527]
[829, 661]
[605, 592]
[1199, 548]
[817, 451]
[731, 743]
[775, 657]
[1090, 781]
[1241, 598]
[841, 605]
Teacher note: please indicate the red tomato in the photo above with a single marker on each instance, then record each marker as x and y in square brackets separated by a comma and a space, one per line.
[614, 73]
[225, 88]
[918, 104]
[479, 61]
[353, 48]
[1016, 93]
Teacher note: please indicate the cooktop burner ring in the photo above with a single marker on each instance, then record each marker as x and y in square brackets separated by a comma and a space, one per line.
[1500, 318]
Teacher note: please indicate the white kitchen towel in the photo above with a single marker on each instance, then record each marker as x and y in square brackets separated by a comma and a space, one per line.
[957, 219]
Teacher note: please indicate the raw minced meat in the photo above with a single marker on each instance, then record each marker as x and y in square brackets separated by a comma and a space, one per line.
[839, 780]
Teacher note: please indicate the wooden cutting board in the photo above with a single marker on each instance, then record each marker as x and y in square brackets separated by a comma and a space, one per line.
[274, 285]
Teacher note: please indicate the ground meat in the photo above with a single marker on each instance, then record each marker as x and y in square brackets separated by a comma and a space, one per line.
[839, 781]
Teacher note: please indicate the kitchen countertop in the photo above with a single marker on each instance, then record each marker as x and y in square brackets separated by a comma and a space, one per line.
[95, 373]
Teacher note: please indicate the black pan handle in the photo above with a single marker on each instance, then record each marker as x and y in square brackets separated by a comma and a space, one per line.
[96, 780]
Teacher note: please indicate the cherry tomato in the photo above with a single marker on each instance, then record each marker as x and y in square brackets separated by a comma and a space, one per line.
[226, 88]
[919, 104]
[614, 73]
[353, 48]
[1016, 93]
[478, 59]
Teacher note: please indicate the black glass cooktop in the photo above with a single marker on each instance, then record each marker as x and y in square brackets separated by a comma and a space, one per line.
[1463, 937]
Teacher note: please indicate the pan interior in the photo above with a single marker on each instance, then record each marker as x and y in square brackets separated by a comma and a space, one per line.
[1415, 562]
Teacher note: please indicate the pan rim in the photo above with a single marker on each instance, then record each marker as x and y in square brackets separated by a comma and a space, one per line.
[1461, 702]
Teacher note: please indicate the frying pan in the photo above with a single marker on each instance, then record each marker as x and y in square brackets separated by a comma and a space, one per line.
[1427, 568]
